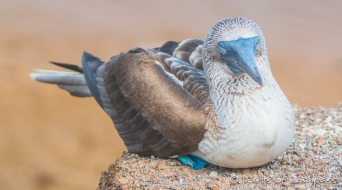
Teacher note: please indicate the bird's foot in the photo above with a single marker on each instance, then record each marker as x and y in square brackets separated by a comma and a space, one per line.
[194, 162]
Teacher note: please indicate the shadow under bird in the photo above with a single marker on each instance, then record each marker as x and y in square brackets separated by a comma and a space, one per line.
[198, 101]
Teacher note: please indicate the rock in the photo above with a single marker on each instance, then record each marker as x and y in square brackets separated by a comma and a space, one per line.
[310, 162]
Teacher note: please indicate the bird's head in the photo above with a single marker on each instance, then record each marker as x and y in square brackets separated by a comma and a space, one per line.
[237, 43]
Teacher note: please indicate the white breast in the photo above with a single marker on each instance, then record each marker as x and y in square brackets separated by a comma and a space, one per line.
[254, 127]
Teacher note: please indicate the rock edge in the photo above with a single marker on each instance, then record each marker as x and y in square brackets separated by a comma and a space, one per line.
[314, 160]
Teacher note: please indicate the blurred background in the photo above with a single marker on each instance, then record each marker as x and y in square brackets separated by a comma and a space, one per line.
[51, 140]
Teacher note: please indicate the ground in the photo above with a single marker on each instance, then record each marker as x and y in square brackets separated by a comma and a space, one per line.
[314, 160]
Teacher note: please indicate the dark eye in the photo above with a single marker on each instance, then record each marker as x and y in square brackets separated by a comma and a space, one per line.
[257, 41]
[256, 44]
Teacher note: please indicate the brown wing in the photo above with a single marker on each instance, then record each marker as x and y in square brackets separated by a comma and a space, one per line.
[156, 111]
[194, 80]
[186, 64]
[170, 127]
[189, 50]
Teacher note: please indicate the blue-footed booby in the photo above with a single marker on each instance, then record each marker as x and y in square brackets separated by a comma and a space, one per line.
[199, 101]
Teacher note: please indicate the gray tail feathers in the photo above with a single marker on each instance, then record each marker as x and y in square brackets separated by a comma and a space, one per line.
[90, 65]
[81, 83]
[73, 82]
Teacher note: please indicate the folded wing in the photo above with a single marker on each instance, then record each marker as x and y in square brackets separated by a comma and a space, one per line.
[155, 97]
[165, 93]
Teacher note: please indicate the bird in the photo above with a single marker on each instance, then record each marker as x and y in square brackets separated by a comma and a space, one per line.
[213, 101]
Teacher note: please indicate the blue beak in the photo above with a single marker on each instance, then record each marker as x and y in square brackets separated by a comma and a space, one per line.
[239, 55]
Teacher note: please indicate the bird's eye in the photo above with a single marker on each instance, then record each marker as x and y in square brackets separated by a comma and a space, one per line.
[256, 41]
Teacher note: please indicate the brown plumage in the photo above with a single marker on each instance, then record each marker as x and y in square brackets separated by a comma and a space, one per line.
[152, 105]
[155, 100]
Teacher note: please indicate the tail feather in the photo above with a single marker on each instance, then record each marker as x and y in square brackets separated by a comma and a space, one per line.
[90, 65]
[68, 66]
[73, 82]
[76, 90]
[81, 83]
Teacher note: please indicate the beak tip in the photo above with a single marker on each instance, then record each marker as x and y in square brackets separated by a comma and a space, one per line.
[259, 81]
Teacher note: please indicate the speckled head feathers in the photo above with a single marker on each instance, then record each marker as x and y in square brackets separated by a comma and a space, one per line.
[231, 29]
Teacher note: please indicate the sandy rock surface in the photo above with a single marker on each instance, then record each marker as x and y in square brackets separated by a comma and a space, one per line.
[314, 160]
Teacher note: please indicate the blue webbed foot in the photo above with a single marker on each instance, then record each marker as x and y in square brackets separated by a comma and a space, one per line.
[194, 162]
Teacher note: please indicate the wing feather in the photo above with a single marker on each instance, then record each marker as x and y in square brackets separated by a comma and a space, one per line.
[154, 97]
[194, 80]
[159, 101]
[190, 51]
